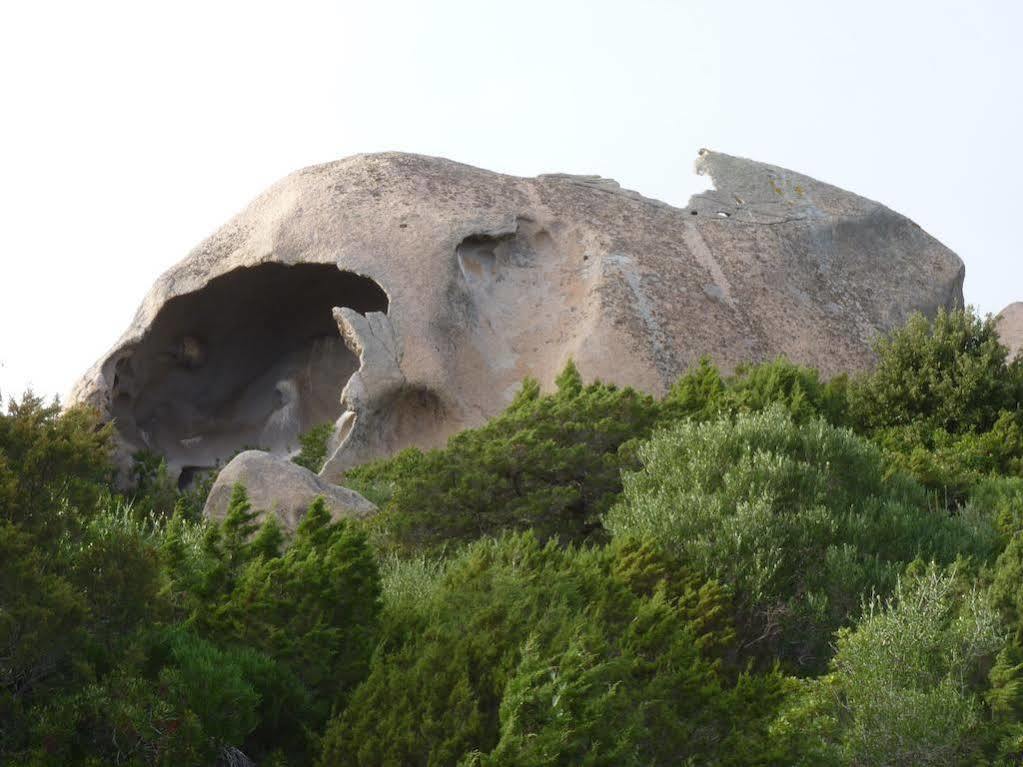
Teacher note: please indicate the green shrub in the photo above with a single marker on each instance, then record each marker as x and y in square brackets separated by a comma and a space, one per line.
[800, 518]
[944, 402]
[549, 463]
[137, 633]
[999, 500]
[951, 374]
[52, 464]
[130, 638]
[314, 608]
[154, 492]
[314, 447]
[905, 683]
[1007, 584]
[951, 464]
[125, 719]
[174, 698]
[522, 653]
[704, 394]
[42, 620]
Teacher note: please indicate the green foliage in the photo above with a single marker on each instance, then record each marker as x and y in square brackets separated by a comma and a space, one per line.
[154, 489]
[549, 463]
[314, 608]
[212, 684]
[127, 637]
[703, 394]
[1007, 584]
[269, 540]
[523, 653]
[905, 681]
[799, 517]
[51, 460]
[553, 463]
[953, 463]
[68, 605]
[1001, 500]
[951, 374]
[314, 447]
[41, 625]
[173, 699]
[1006, 588]
[504, 624]
[238, 526]
[311, 604]
[944, 402]
[154, 492]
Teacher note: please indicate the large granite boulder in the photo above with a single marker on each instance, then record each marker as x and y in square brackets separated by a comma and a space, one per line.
[403, 298]
[276, 485]
[1010, 327]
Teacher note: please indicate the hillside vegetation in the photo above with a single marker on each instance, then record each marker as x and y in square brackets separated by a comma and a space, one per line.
[758, 569]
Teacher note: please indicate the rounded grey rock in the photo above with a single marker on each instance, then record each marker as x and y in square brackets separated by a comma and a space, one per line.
[276, 485]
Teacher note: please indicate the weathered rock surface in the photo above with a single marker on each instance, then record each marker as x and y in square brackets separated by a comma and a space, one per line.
[1010, 327]
[277, 485]
[404, 298]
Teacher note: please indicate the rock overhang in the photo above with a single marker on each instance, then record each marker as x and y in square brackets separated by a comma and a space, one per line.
[251, 359]
[486, 279]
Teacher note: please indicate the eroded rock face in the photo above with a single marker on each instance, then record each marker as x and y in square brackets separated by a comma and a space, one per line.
[405, 297]
[253, 359]
[1010, 327]
[278, 486]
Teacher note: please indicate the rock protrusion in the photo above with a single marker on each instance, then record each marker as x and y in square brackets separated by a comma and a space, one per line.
[276, 485]
[1010, 327]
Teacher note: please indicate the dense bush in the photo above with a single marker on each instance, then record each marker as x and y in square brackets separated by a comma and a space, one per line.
[50, 462]
[130, 639]
[551, 464]
[313, 608]
[799, 517]
[951, 374]
[905, 684]
[528, 654]
[524, 603]
[704, 394]
[952, 464]
[944, 402]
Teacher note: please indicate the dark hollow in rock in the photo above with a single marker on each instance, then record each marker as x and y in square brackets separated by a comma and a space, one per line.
[251, 360]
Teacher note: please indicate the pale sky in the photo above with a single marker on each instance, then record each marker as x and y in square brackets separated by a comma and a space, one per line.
[132, 130]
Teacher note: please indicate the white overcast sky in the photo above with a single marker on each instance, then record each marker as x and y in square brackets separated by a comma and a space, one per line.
[131, 130]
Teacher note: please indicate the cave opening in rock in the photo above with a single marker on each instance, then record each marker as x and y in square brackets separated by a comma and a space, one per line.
[252, 360]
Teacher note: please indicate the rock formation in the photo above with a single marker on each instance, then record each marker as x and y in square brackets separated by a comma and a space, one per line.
[1010, 327]
[404, 297]
[276, 485]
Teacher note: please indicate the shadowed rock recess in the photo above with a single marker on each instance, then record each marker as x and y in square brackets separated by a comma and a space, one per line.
[404, 298]
[252, 359]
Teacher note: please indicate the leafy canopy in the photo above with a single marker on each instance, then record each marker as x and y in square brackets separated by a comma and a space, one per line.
[524, 653]
[801, 518]
[549, 463]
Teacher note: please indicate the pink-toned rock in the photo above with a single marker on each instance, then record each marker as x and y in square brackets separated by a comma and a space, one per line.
[404, 298]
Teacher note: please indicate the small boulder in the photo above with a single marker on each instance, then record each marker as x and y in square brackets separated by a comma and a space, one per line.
[276, 484]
